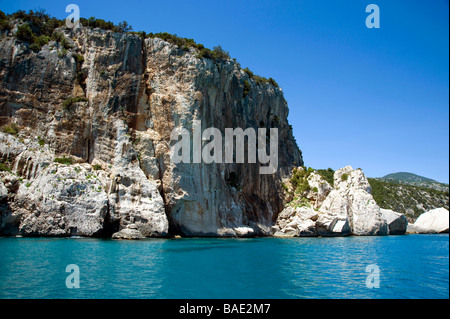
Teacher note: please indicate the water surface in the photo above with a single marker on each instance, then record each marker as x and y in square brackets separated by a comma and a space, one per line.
[410, 266]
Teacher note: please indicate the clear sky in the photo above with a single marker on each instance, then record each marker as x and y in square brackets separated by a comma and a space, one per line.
[377, 99]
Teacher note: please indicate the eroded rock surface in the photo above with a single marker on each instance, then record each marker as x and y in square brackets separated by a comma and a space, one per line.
[348, 208]
[111, 112]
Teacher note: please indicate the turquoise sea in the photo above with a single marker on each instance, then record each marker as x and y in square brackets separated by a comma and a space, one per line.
[410, 266]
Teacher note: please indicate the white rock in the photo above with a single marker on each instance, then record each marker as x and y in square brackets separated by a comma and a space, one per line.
[352, 200]
[294, 222]
[3, 191]
[244, 231]
[397, 223]
[327, 225]
[63, 200]
[323, 188]
[364, 214]
[341, 226]
[336, 204]
[133, 198]
[128, 233]
[433, 221]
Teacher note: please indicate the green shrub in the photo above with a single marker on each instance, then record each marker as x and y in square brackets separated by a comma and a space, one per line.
[5, 167]
[19, 14]
[123, 27]
[4, 24]
[262, 80]
[98, 23]
[259, 79]
[57, 36]
[141, 34]
[327, 174]
[249, 73]
[272, 82]
[217, 53]
[97, 167]
[205, 53]
[34, 47]
[247, 88]
[67, 104]
[12, 129]
[39, 42]
[63, 160]
[37, 27]
[344, 177]
[81, 78]
[24, 33]
[62, 53]
[52, 24]
[220, 54]
[78, 58]
[65, 43]
[299, 180]
[182, 43]
[92, 22]
[41, 141]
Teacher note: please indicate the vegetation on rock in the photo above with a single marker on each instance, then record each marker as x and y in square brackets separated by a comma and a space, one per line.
[38, 29]
[64, 160]
[409, 200]
[327, 174]
[12, 129]
[67, 104]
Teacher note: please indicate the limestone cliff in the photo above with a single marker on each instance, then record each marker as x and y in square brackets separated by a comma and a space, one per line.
[86, 139]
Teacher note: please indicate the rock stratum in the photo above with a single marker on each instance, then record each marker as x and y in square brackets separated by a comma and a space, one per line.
[85, 145]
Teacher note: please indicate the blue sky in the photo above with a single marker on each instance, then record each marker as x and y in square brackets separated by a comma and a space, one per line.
[377, 99]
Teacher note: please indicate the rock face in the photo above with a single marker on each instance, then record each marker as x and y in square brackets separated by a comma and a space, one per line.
[62, 200]
[349, 208]
[114, 110]
[397, 223]
[131, 232]
[3, 191]
[296, 222]
[433, 221]
[351, 200]
[75, 200]
[320, 189]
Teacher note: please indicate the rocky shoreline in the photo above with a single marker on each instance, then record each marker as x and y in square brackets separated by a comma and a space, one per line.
[348, 208]
[75, 200]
